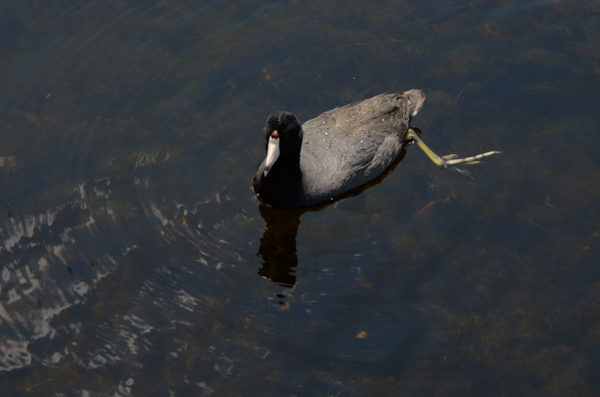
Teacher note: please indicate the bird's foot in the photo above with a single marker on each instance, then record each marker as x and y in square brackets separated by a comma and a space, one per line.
[448, 161]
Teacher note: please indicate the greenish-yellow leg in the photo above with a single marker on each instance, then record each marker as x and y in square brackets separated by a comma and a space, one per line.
[449, 160]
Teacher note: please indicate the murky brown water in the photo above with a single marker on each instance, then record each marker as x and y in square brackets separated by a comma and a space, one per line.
[135, 259]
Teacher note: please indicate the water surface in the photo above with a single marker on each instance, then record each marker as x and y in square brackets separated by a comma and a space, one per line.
[136, 260]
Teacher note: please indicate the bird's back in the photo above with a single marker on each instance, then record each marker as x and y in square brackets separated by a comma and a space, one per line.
[350, 146]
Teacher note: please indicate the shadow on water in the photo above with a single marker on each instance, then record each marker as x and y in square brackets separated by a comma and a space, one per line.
[278, 243]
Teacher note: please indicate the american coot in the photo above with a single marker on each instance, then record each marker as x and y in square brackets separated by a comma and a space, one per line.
[338, 151]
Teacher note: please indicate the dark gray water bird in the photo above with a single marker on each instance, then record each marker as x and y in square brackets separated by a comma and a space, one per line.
[340, 150]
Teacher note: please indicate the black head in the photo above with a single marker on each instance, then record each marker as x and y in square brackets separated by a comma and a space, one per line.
[279, 179]
[288, 128]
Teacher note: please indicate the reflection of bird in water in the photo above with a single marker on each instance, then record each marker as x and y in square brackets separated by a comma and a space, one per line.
[340, 150]
[278, 245]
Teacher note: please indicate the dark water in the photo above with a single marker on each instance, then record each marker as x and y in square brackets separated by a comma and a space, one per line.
[135, 259]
